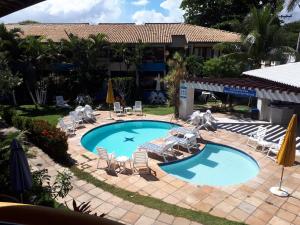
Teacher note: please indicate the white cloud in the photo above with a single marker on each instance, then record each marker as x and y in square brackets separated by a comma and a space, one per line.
[93, 11]
[173, 13]
[140, 2]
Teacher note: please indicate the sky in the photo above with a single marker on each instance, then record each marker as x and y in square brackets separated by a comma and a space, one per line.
[105, 11]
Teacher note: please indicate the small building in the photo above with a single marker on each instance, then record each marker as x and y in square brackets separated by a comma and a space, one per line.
[276, 88]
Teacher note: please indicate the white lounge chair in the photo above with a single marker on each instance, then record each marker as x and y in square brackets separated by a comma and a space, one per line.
[188, 141]
[185, 130]
[208, 121]
[60, 102]
[88, 113]
[109, 158]
[68, 128]
[140, 159]
[163, 150]
[274, 149]
[118, 109]
[195, 118]
[256, 136]
[138, 108]
[75, 118]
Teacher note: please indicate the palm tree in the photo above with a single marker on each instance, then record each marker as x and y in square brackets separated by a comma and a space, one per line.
[176, 73]
[263, 40]
[137, 59]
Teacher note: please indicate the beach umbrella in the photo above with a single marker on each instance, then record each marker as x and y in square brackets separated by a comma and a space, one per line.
[110, 95]
[20, 174]
[158, 83]
[286, 154]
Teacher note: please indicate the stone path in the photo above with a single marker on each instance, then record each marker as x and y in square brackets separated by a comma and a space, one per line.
[104, 202]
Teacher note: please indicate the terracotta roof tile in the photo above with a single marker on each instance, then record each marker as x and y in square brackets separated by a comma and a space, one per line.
[131, 33]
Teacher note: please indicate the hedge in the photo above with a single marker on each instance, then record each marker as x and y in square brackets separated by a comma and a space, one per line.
[50, 139]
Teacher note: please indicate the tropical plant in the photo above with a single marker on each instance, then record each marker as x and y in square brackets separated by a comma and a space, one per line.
[177, 72]
[230, 13]
[194, 65]
[136, 58]
[84, 208]
[222, 67]
[264, 39]
[8, 80]
[124, 87]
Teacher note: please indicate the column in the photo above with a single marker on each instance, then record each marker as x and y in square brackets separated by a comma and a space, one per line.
[186, 101]
[264, 109]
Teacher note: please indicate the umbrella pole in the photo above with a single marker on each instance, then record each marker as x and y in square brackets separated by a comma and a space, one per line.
[281, 178]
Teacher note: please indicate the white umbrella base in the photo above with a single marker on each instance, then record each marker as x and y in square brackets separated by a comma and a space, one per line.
[281, 192]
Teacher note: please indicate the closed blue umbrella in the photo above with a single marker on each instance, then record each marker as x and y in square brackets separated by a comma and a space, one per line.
[20, 174]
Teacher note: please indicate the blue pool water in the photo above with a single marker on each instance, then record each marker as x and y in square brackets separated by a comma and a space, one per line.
[216, 165]
[123, 138]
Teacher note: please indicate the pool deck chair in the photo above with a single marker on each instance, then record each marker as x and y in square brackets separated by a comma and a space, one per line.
[68, 128]
[60, 102]
[163, 150]
[75, 118]
[138, 108]
[109, 158]
[185, 130]
[118, 109]
[188, 141]
[256, 136]
[88, 113]
[140, 159]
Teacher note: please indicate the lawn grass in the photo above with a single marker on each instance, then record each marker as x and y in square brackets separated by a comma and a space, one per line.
[198, 216]
[159, 110]
[50, 114]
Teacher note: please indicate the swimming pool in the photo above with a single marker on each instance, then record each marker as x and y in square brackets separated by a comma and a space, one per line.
[123, 138]
[216, 165]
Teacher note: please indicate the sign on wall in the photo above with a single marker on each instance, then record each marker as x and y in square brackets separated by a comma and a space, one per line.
[239, 92]
[183, 92]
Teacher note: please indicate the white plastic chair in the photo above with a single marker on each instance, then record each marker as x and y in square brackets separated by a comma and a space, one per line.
[60, 102]
[117, 108]
[88, 113]
[256, 136]
[75, 118]
[274, 149]
[140, 159]
[188, 141]
[138, 108]
[160, 150]
[109, 158]
[68, 128]
[208, 121]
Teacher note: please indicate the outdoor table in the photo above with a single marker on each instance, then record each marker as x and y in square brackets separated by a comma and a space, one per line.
[128, 110]
[121, 160]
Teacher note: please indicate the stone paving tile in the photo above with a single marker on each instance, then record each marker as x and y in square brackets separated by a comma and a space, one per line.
[130, 218]
[277, 221]
[152, 213]
[181, 221]
[165, 218]
[144, 220]
[117, 213]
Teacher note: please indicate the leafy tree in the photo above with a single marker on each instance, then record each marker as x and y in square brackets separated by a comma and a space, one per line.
[264, 39]
[194, 65]
[124, 87]
[177, 72]
[136, 59]
[222, 67]
[224, 14]
[8, 81]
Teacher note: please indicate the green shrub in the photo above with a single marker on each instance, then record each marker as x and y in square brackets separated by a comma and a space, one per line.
[50, 139]
[7, 114]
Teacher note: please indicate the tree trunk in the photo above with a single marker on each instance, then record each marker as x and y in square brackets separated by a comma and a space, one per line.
[137, 78]
[14, 97]
[30, 93]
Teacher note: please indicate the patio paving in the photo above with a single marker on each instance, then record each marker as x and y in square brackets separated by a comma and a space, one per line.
[250, 202]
